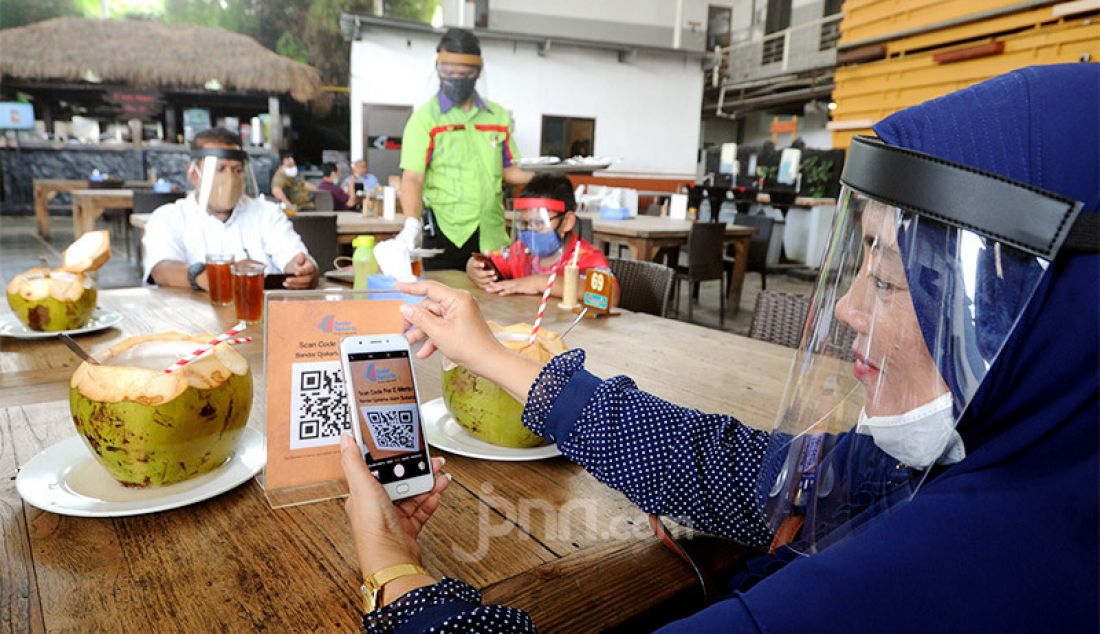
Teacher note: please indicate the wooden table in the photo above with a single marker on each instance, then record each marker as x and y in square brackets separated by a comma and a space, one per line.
[348, 225]
[575, 554]
[47, 188]
[88, 204]
[648, 235]
[764, 198]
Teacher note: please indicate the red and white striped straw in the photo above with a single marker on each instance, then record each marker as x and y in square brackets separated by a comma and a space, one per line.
[542, 306]
[225, 336]
[546, 293]
[238, 340]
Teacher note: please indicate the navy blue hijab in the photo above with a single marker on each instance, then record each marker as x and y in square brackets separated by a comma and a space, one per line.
[1007, 539]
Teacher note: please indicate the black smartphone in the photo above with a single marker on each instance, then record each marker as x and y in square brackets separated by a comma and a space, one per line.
[274, 281]
[488, 261]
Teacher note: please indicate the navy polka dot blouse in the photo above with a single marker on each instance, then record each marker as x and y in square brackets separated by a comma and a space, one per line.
[699, 469]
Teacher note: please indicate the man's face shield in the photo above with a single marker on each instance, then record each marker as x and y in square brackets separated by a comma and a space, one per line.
[926, 274]
[221, 177]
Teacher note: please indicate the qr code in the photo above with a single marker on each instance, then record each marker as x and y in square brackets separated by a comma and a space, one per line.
[318, 405]
[393, 427]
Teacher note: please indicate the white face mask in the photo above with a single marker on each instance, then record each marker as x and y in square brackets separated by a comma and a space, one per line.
[291, 171]
[920, 437]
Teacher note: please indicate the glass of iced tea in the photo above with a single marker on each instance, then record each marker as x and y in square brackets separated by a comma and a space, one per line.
[248, 290]
[218, 279]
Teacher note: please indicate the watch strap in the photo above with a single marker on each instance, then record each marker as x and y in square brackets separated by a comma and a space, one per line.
[193, 272]
[374, 583]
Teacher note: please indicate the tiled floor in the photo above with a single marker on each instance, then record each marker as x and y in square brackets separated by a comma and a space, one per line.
[21, 249]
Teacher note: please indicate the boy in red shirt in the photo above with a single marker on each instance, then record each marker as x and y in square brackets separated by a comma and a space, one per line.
[544, 223]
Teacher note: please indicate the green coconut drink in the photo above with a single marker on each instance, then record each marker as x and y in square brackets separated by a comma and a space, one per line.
[486, 410]
[149, 428]
[61, 299]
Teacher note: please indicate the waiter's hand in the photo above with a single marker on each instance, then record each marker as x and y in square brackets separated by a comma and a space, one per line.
[301, 272]
[412, 234]
[480, 272]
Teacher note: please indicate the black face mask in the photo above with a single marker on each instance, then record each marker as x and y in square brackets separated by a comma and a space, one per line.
[458, 89]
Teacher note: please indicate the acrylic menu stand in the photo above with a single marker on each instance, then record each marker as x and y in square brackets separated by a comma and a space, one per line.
[306, 408]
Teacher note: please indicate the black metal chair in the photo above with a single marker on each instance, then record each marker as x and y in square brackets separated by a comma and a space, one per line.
[146, 201]
[705, 246]
[780, 317]
[318, 232]
[758, 248]
[644, 287]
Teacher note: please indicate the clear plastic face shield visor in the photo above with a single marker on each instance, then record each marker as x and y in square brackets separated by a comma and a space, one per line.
[929, 267]
[458, 75]
[222, 177]
[535, 222]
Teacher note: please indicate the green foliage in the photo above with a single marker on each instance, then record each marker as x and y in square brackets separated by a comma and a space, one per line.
[22, 12]
[816, 172]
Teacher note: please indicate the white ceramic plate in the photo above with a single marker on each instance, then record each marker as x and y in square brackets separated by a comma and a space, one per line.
[66, 479]
[10, 326]
[444, 433]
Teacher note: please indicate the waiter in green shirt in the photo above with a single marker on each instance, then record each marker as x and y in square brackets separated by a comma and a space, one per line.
[457, 152]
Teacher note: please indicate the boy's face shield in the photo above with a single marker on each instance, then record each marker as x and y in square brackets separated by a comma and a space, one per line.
[538, 215]
[222, 177]
[908, 314]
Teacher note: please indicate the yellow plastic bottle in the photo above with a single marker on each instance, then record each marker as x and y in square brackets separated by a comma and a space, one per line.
[362, 261]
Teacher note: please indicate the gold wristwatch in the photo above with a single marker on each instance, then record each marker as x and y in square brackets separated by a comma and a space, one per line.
[373, 584]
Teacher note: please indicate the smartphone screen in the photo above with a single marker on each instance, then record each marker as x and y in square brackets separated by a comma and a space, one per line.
[389, 418]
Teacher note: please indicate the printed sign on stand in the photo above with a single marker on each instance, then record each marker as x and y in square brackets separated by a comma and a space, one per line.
[307, 407]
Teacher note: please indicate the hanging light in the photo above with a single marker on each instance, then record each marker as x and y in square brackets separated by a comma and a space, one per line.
[213, 85]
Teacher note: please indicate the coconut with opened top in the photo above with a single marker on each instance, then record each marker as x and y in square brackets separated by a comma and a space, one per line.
[64, 298]
[150, 428]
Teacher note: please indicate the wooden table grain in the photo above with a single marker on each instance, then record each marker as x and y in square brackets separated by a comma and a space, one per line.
[89, 204]
[543, 536]
[47, 188]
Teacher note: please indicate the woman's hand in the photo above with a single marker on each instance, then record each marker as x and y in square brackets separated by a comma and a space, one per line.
[451, 322]
[385, 533]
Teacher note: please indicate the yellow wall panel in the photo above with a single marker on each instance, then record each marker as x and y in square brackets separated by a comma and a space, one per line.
[863, 21]
[876, 89]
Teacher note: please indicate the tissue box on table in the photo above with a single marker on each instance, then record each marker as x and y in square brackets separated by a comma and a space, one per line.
[614, 213]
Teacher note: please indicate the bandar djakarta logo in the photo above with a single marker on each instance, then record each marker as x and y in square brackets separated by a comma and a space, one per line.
[330, 325]
[375, 374]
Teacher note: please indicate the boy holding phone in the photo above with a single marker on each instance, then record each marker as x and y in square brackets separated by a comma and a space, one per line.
[544, 226]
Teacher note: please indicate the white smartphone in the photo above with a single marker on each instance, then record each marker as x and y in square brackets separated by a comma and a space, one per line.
[385, 412]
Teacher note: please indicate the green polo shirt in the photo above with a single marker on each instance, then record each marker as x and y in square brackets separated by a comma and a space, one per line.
[462, 156]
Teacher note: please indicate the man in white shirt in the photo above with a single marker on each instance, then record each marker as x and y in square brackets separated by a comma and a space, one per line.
[179, 235]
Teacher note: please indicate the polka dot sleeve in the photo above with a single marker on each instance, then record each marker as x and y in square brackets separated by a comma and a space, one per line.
[699, 469]
[448, 607]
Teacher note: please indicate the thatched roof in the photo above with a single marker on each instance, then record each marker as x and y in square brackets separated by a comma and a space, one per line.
[152, 54]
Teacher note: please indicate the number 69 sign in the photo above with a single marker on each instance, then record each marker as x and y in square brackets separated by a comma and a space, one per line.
[597, 293]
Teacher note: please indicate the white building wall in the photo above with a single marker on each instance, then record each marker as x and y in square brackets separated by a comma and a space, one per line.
[646, 110]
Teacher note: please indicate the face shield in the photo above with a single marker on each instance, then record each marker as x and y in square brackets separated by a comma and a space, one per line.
[536, 222]
[929, 267]
[458, 76]
[223, 176]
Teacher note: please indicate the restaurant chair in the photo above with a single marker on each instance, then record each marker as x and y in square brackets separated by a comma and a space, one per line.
[322, 200]
[146, 201]
[318, 232]
[644, 287]
[780, 317]
[705, 246]
[758, 248]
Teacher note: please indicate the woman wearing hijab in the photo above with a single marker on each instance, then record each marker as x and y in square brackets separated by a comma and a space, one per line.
[934, 466]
